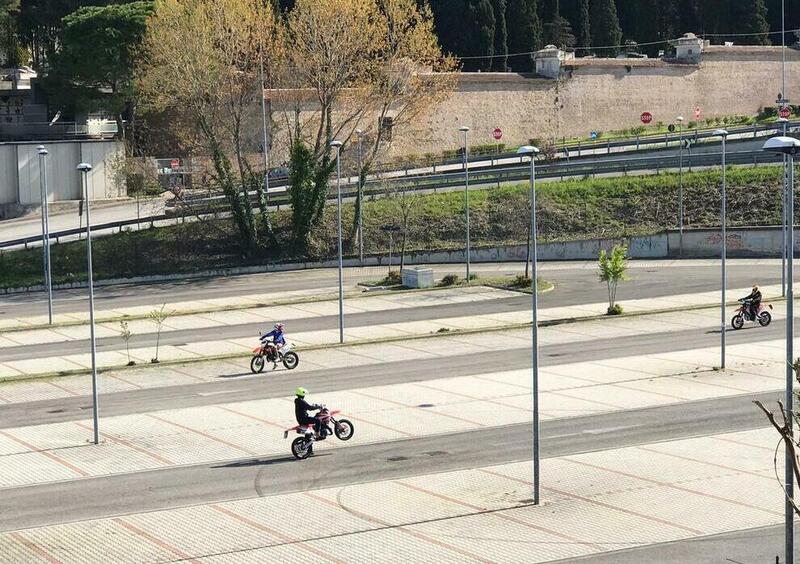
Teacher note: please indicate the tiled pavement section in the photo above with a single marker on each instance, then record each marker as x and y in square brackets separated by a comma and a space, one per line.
[595, 502]
[232, 430]
[413, 349]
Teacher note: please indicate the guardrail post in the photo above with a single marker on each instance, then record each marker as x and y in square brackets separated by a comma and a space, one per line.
[755, 130]
[637, 141]
[608, 147]
[666, 140]
[579, 148]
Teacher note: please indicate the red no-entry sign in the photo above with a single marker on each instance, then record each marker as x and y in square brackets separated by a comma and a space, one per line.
[497, 133]
[785, 112]
[174, 164]
[647, 117]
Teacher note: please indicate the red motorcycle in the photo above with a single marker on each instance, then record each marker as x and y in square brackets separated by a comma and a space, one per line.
[268, 352]
[303, 446]
[762, 316]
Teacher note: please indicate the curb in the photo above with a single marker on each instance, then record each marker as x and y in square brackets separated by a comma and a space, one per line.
[381, 340]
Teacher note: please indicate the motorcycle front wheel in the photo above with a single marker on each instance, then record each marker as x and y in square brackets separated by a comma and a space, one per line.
[344, 430]
[738, 321]
[764, 318]
[291, 360]
[301, 448]
[257, 364]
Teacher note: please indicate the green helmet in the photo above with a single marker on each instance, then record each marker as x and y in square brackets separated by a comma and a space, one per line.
[300, 392]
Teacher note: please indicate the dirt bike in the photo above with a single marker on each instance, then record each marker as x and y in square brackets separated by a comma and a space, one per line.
[268, 352]
[762, 316]
[303, 446]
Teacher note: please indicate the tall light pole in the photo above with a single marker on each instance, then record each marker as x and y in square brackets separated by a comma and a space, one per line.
[360, 196]
[789, 146]
[84, 169]
[784, 231]
[264, 132]
[338, 146]
[48, 281]
[465, 130]
[532, 151]
[680, 187]
[723, 252]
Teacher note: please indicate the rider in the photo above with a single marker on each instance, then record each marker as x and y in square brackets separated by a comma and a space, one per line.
[278, 340]
[755, 301]
[301, 409]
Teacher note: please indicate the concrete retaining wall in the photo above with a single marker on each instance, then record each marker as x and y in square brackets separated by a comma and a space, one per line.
[19, 173]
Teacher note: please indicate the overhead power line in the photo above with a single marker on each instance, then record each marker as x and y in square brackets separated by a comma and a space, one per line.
[647, 44]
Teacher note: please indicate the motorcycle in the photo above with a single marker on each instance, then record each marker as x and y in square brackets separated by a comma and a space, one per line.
[303, 446]
[267, 352]
[762, 316]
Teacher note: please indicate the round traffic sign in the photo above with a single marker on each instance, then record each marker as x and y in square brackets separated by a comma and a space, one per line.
[497, 133]
[785, 112]
[697, 112]
[647, 117]
[174, 164]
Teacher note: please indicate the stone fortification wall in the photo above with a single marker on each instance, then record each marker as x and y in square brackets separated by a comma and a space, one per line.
[602, 95]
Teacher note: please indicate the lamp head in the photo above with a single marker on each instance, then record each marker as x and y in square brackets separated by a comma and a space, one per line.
[359, 132]
[336, 144]
[785, 145]
[679, 119]
[463, 128]
[41, 150]
[528, 150]
[84, 167]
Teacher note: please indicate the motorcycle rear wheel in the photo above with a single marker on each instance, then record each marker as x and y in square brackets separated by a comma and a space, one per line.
[738, 321]
[764, 318]
[301, 448]
[291, 360]
[257, 364]
[343, 430]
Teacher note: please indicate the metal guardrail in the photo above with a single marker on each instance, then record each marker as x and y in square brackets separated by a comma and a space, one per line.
[576, 148]
[434, 182]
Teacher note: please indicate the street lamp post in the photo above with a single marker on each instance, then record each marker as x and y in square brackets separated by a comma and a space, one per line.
[264, 133]
[48, 280]
[338, 146]
[84, 169]
[680, 187]
[784, 231]
[532, 151]
[360, 218]
[723, 219]
[789, 146]
[464, 129]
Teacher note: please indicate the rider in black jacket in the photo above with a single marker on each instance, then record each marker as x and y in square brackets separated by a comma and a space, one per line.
[301, 409]
[755, 301]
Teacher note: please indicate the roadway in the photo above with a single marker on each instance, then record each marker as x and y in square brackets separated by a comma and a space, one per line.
[180, 486]
[576, 283]
[192, 484]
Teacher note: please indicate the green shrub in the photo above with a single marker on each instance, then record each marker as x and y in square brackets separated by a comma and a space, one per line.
[616, 309]
[450, 280]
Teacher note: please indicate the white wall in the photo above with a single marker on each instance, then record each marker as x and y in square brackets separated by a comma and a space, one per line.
[19, 171]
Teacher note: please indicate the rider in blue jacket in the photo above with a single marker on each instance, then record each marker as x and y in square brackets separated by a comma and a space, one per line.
[278, 340]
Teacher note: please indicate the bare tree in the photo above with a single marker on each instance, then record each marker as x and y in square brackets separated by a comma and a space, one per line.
[201, 62]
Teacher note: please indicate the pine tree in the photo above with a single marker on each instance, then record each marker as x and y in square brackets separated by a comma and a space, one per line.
[524, 32]
[500, 63]
[482, 27]
[750, 16]
[583, 32]
[606, 31]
